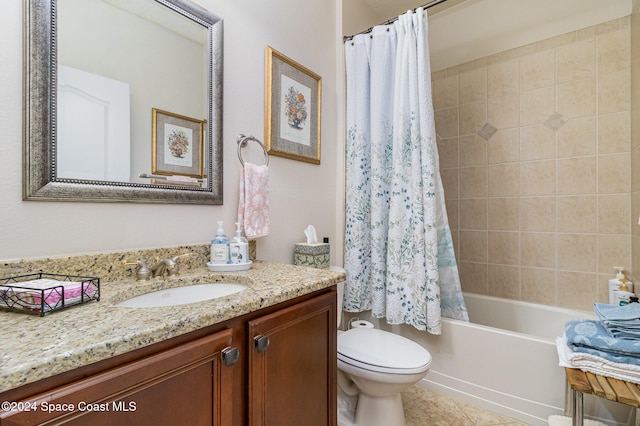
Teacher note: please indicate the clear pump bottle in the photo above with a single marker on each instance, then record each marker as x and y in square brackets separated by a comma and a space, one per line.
[220, 247]
[239, 247]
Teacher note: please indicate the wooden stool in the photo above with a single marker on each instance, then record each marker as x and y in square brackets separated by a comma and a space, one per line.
[580, 382]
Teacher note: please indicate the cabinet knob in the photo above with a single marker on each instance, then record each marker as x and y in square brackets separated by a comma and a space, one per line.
[230, 356]
[261, 343]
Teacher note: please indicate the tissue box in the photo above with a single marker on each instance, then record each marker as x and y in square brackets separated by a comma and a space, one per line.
[313, 255]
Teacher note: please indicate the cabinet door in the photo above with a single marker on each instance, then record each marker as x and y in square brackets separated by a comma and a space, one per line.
[292, 365]
[180, 386]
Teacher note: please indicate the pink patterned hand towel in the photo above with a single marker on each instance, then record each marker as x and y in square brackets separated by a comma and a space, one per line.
[253, 207]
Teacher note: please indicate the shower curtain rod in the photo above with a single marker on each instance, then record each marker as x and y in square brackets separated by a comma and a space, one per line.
[425, 6]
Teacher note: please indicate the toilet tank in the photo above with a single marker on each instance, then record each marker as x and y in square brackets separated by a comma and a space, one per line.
[340, 286]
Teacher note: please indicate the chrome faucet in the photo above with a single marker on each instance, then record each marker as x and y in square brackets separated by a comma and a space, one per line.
[160, 268]
[168, 266]
[142, 272]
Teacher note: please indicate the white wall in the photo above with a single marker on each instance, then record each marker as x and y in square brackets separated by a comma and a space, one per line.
[360, 17]
[301, 193]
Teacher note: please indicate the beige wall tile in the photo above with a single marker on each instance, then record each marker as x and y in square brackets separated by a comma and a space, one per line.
[473, 277]
[614, 133]
[577, 137]
[577, 252]
[473, 214]
[537, 142]
[504, 146]
[450, 183]
[538, 214]
[554, 181]
[504, 180]
[614, 51]
[599, 29]
[473, 86]
[537, 70]
[473, 151]
[503, 78]
[576, 290]
[635, 248]
[453, 214]
[537, 105]
[504, 112]
[613, 92]
[577, 175]
[447, 123]
[602, 287]
[473, 182]
[613, 250]
[576, 61]
[635, 171]
[503, 214]
[473, 246]
[538, 177]
[614, 173]
[538, 285]
[472, 117]
[538, 249]
[504, 281]
[504, 248]
[448, 153]
[577, 213]
[577, 98]
[445, 93]
[614, 214]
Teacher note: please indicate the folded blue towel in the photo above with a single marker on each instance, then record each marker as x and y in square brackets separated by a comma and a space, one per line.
[589, 336]
[620, 321]
[623, 333]
[606, 312]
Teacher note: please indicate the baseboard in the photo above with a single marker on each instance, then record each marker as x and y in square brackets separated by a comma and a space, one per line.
[526, 411]
[497, 402]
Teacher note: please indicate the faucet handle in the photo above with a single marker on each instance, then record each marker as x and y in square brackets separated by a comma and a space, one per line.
[172, 269]
[142, 273]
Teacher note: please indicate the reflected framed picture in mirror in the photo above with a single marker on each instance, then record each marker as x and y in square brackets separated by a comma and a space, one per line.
[176, 144]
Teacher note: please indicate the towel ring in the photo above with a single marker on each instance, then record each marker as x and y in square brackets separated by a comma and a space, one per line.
[242, 141]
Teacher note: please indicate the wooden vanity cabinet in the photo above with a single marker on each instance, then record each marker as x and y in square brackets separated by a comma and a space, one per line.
[292, 365]
[187, 384]
[284, 374]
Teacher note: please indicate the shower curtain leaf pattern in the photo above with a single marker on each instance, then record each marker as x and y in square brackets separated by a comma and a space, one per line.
[398, 250]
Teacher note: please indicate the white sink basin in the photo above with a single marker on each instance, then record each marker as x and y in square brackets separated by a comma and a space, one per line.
[182, 295]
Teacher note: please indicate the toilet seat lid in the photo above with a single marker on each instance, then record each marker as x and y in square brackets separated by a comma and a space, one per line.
[382, 349]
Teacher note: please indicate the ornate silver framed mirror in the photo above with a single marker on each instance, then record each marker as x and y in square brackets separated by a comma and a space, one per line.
[96, 73]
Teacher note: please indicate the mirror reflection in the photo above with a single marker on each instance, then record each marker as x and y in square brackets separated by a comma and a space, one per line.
[136, 91]
[117, 60]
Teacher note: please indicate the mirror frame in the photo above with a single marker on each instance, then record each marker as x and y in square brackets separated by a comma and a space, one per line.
[39, 180]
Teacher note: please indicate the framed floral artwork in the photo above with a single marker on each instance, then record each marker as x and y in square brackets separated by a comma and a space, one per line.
[176, 144]
[293, 101]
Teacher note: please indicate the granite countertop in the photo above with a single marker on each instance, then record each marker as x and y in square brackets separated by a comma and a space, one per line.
[35, 347]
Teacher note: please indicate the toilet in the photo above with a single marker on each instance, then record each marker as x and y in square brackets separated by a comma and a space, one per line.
[376, 366]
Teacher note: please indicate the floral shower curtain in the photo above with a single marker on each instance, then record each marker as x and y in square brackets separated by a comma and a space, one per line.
[399, 254]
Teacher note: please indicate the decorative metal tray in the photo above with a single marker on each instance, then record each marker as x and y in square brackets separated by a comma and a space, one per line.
[41, 293]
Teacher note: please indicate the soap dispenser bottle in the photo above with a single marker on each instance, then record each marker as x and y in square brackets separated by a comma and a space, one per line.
[619, 286]
[239, 247]
[220, 247]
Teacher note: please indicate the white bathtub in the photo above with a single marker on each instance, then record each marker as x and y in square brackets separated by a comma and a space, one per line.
[505, 360]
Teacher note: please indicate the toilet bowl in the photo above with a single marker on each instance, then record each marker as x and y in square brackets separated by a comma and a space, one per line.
[376, 366]
[379, 365]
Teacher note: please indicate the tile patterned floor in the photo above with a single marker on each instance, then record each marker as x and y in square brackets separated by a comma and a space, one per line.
[425, 408]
